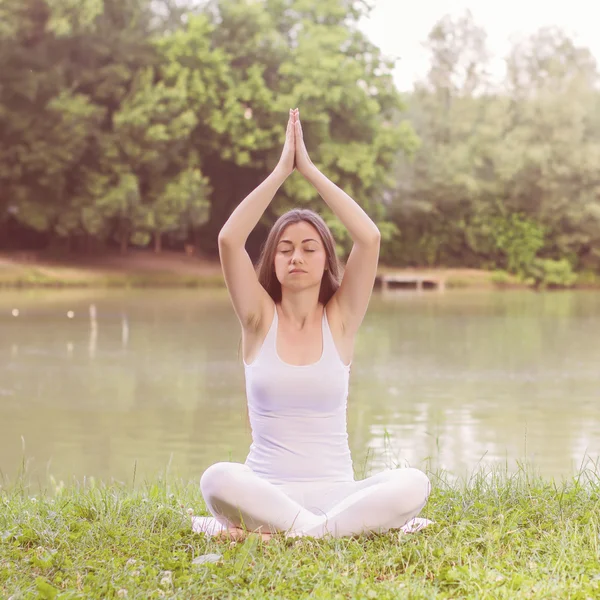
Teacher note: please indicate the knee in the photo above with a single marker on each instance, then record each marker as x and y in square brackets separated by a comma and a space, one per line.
[219, 479]
[412, 484]
[421, 482]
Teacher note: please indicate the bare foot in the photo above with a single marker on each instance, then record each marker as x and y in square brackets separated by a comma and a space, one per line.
[238, 534]
[231, 534]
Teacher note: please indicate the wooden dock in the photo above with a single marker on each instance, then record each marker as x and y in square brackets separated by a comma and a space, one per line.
[407, 281]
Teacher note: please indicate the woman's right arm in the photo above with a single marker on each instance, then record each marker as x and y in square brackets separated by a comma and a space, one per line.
[249, 298]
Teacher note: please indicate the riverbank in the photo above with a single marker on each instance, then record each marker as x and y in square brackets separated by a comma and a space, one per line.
[499, 536]
[135, 269]
[139, 269]
[170, 269]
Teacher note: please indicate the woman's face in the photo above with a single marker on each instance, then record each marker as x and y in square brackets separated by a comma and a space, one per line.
[300, 257]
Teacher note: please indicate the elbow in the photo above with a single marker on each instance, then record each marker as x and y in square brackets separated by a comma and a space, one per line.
[227, 241]
[224, 238]
[375, 236]
[370, 239]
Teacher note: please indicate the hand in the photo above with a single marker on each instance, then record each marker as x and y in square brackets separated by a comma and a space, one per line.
[286, 164]
[303, 162]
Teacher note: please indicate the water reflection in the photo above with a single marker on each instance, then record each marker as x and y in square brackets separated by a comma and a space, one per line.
[144, 380]
[493, 378]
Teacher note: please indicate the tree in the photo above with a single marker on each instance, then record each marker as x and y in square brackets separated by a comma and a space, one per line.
[292, 53]
[182, 206]
[498, 166]
[448, 185]
[553, 142]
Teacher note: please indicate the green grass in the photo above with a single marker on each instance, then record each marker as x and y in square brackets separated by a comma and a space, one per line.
[31, 277]
[496, 536]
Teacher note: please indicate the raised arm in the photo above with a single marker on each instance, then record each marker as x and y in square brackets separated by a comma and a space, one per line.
[353, 297]
[249, 298]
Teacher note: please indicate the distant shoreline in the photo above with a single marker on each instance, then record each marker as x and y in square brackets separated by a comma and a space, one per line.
[140, 269]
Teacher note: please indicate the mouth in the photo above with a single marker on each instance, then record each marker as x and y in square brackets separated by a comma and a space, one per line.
[296, 271]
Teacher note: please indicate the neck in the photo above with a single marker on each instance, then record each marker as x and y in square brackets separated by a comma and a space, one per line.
[300, 308]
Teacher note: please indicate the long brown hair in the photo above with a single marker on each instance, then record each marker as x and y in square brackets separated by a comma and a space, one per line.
[266, 263]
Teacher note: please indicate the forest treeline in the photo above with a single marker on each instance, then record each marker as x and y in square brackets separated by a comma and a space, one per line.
[144, 122]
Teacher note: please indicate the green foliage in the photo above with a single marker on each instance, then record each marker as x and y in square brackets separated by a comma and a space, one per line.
[548, 273]
[501, 278]
[502, 173]
[130, 121]
[519, 239]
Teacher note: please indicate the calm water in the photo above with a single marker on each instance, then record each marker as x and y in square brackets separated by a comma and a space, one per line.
[450, 380]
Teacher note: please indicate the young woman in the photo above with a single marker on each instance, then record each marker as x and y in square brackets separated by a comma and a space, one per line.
[299, 323]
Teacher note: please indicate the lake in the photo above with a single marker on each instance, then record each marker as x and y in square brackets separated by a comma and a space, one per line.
[154, 382]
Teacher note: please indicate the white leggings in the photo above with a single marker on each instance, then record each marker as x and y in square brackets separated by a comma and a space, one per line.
[237, 497]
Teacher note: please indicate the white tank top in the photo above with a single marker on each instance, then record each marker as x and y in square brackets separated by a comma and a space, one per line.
[298, 415]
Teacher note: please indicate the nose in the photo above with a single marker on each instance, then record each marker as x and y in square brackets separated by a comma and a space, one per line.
[296, 256]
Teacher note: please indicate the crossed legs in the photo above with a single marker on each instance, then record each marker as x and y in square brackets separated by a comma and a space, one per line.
[239, 498]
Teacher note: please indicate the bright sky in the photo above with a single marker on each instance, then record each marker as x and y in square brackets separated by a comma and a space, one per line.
[399, 28]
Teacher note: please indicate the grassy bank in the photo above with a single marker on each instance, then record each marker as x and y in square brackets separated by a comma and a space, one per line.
[496, 536]
[172, 269]
[34, 277]
[136, 269]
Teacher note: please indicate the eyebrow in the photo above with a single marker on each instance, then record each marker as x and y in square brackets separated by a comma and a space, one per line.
[303, 241]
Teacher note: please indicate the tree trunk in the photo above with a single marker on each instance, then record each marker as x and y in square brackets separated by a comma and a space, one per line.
[124, 243]
[158, 242]
[4, 240]
[230, 184]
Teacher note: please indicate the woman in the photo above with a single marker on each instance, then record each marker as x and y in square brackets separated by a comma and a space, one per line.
[298, 329]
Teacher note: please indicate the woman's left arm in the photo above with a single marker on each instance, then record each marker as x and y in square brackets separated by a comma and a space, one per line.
[355, 291]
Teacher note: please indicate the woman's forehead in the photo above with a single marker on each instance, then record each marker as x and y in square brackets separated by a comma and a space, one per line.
[299, 232]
